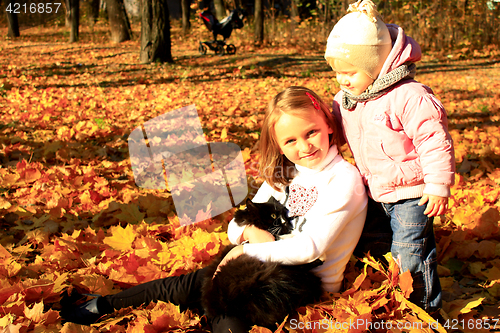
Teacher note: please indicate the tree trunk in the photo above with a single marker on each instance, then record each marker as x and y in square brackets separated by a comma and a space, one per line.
[294, 11]
[12, 21]
[118, 21]
[155, 32]
[186, 11]
[94, 11]
[75, 20]
[67, 17]
[220, 10]
[259, 22]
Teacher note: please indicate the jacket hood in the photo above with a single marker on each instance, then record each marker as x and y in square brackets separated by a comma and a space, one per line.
[404, 49]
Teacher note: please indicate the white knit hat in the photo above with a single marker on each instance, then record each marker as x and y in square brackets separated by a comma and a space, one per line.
[360, 38]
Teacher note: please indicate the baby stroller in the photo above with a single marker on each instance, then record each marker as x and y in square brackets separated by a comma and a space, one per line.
[224, 28]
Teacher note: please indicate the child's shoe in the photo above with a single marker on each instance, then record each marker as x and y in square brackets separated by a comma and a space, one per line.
[83, 314]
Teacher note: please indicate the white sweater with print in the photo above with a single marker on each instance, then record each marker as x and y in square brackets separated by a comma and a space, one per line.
[330, 204]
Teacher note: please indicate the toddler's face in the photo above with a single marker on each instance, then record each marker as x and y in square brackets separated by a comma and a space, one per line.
[350, 77]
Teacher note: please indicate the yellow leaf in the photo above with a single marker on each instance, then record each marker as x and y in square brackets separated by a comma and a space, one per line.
[464, 306]
[7, 320]
[223, 135]
[35, 313]
[85, 198]
[59, 284]
[4, 204]
[121, 238]
[97, 284]
[11, 267]
[246, 154]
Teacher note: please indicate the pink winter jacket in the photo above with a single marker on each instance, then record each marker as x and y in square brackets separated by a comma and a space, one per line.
[400, 140]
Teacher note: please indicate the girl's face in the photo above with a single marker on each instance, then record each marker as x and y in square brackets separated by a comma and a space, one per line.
[304, 141]
[351, 78]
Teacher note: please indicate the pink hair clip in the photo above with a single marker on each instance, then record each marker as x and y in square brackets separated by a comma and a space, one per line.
[314, 101]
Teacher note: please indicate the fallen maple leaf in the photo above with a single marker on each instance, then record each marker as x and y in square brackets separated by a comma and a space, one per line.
[406, 283]
[461, 306]
[121, 239]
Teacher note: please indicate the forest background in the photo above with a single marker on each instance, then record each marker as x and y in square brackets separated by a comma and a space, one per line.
[72, 217]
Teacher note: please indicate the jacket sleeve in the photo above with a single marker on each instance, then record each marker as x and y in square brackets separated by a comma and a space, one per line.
[344, 201]
[424, 121]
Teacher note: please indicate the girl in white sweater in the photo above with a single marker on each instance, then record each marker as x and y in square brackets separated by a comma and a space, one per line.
[323, 193]
[303, 170]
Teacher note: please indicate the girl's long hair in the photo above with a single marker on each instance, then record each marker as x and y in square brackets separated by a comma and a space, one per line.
[297, 101]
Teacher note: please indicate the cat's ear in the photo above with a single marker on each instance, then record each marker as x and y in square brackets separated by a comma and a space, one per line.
[249, 203]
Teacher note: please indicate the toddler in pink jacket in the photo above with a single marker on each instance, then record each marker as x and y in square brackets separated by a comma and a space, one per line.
[397, 132]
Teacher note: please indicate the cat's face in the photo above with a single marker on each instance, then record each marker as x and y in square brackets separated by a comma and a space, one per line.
[271, 216]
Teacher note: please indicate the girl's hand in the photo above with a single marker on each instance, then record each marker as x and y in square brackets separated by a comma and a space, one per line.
[436, 206]
[252, 234]
[234, 253]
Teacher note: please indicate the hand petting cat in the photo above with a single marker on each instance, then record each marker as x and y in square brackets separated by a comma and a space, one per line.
[233, 254]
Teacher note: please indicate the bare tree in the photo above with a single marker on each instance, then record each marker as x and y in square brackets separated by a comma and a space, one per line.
[118, 21]
[155, 32]
[74, 18]
[12, 20]
[186, 11]
[67, 17]
[259, 22]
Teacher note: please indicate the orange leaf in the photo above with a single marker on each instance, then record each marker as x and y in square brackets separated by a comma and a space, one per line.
[421, 314]
[31, 175]
[258, 329]
[492, 273]
[406, 283]
[4, 253]
[487, 225]
[486, 249]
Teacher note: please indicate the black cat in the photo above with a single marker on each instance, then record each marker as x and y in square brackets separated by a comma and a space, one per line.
[271, 216]
[263, 293]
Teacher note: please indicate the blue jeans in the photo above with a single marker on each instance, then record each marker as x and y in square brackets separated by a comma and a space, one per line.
[414, 248]
[404, 230]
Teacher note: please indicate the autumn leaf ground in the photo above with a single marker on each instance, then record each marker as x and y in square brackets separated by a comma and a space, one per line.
[71, 216]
